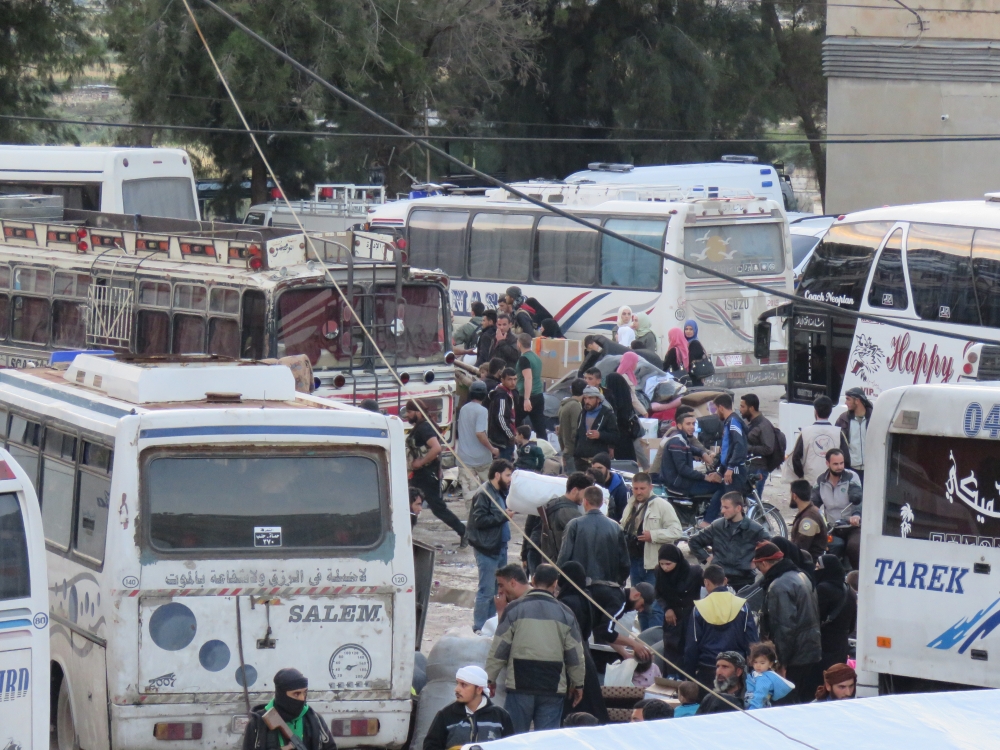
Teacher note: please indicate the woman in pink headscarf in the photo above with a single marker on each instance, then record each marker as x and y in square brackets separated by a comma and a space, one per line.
[627, 367]
[677, 361]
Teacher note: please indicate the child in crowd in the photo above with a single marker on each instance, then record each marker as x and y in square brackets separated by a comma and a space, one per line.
[687, 693]
[645, 674]
[764, 685]
[529, 455]
[625, 333]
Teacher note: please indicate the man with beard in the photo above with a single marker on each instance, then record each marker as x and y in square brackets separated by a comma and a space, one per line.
[618, 603]
[808, 530]
[730, 685]
[839, 683]
[838, 492]
[422, 453]
[498, 341]
[489, 533]
[473, 717]
[290, 688]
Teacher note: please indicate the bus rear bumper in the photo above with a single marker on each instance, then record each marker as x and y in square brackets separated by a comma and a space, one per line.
[222, 725]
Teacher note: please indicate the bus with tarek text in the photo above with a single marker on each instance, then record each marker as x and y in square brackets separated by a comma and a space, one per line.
[207, 525]
[929, 598]
[486, 244]
[162, 287]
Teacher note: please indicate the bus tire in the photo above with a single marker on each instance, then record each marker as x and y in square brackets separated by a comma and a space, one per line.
[66, 736]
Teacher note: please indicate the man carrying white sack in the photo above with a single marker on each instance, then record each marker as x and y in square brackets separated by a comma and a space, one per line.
[473, 717]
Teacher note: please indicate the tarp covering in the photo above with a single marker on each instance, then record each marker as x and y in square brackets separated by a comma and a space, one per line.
[925, 721]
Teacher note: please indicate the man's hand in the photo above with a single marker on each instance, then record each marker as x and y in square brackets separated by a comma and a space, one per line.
[577, 696]
[714, 478]
[492, 688]
[593, 434]
[645, 537]
[729, 476]
[509, 512]
[670, 617]
[527, 404]
[855, 520]
[641, 650]
[500, 604]
[494, 451]
[416, 464]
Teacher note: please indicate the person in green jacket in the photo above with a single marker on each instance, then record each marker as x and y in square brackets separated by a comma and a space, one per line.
[529, 455]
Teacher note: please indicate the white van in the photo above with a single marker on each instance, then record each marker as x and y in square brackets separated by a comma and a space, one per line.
[146, 181]
[335, 207]
[24, 619]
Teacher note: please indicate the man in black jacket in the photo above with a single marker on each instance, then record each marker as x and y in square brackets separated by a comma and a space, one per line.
[501, 414]
[677, 470]
[730, 685]
[597, 431]
[473, 717]
[498, 341]
[761, 442]
[488, 533]
[733, 539]
[290, 687]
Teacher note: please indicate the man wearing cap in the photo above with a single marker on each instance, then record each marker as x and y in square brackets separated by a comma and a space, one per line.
[854, 424]
[473, 446]
[473, 717]
[730, 685]
[290, 687]
[789, 617]
[597, 430]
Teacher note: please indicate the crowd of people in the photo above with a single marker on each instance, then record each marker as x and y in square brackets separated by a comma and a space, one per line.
[759, 620]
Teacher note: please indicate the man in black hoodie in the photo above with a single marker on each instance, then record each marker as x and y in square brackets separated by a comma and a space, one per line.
[473, 717]
[290, 702]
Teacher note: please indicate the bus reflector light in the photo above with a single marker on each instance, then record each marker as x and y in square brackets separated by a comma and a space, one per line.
[401, 243]
[354, 727]
[255, 263]
[339, 381]
[883, 641]
[973, 357]
[6, 472]
[177, 730]
[82, 246]
[967, 369]
[81, 232]
[404, 378]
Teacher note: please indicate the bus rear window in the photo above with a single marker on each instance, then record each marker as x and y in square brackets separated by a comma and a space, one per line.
[169, 197]
[315, 322]
[943, 489]
[839, 268]
[735, 249]
[15, 581]
[263, 502]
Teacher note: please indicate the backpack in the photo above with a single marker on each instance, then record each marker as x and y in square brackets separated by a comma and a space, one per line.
[473, 342]
[780, 448]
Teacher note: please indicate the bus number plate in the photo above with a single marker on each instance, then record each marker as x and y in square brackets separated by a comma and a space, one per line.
[266, 536]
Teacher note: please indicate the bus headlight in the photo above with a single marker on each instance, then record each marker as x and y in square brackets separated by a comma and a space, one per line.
[429, 376]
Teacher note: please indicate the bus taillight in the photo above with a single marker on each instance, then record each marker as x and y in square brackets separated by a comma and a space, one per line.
[177, 730]
[354, 727]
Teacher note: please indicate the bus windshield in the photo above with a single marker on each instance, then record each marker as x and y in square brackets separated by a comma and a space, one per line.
[413, 333]
[265, 501]
[15, 583]
[735, 249]
[315, 322]
[169, 197]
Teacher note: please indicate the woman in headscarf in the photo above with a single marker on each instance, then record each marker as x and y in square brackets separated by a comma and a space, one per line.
[626, 368]
[551, 329]
[619, 395]
[593, 701]
[838, 609]
[695, 349]
[678, 585]
[624, 332]
[644, 336]
[676, 360]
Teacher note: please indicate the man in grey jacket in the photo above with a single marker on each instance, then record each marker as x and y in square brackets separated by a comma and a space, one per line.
[838, 492]
[597, 543]
[732, 538]
[789, 617]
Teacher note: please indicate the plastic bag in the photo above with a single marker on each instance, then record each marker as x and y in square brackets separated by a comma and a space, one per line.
[529, 491]
[620, 673]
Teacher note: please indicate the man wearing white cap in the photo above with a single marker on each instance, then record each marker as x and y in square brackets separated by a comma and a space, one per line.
[473, 717]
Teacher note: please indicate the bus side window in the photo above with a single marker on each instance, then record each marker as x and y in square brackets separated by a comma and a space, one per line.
[152, 335]
[500, 247]
[57, 487]
[567, 253]
[888, 287]
[438, 240]
[840, 265]
[627, 266]
[69, 323]
[23, 444]
[15, 583]
[189, 334]
[224, 337]
[253, 324]
[939, 259]
[94, 494]
[986, 271]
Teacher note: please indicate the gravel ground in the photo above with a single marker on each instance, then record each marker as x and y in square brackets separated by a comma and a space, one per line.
[455, 578]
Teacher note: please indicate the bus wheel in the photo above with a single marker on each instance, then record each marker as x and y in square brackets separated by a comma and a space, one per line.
[66, 737]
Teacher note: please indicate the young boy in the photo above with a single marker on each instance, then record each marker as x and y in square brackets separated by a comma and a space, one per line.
[764, 685]
[529, 455]
[687, 692]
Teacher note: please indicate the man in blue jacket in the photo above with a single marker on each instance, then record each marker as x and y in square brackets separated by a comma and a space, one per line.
[677, 462]
[732, 458]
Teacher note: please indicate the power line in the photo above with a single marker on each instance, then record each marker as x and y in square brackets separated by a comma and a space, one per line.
[835, 141]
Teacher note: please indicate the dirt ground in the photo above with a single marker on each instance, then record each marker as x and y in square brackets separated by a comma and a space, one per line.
[455, 579]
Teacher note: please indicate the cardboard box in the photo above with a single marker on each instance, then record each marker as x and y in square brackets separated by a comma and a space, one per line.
[559, 356]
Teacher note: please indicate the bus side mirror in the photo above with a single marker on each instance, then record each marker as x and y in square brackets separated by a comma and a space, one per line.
[762, 340]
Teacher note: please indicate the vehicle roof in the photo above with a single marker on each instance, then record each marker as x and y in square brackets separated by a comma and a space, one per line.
[980, 213]
[73, 159]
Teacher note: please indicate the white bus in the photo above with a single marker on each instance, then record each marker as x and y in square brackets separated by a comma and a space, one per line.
[929, 600]
[24, 614]
[936, 265]
[583, 277]
[145, 181]
[207, 525]
[163, 286]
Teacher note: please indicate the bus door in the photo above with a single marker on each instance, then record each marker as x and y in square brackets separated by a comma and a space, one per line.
[820, 347]
[24, 619]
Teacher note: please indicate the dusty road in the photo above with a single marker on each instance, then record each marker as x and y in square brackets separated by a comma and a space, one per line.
[455, 578]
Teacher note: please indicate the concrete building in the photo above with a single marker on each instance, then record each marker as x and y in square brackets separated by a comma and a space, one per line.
[895, 69]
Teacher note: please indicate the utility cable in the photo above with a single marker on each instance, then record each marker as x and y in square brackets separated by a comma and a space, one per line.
[583, 592]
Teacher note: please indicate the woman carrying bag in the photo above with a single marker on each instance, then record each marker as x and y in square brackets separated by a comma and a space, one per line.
[700, 364]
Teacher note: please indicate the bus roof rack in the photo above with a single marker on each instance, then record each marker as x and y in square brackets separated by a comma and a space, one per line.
[604, 166]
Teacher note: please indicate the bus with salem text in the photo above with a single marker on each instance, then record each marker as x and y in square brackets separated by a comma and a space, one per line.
[935, 265]
[72, 279]
[486, 244]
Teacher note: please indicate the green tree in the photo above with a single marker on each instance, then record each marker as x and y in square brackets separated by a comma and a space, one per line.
[44, 45]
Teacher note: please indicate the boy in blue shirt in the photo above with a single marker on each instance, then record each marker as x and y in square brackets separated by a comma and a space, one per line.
[687, 693]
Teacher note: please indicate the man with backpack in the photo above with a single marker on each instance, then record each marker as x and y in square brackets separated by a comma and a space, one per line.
[766, 444]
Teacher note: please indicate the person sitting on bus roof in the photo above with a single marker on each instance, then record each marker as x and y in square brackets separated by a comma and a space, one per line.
[676, 361]
[809, 454]
[530, 305]
[520, 319]
[551, 330]
[854, 424]
[838, 492]
[290, 687]
[839, 683]
[467, 335]
[644, 336]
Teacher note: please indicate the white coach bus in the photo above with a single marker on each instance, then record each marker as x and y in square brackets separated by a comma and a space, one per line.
[24, 614]
[582, 277]
[929, 598]
[207, 525]
[936, 265]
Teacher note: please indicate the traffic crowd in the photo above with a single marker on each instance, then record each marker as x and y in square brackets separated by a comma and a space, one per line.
[760, 620]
